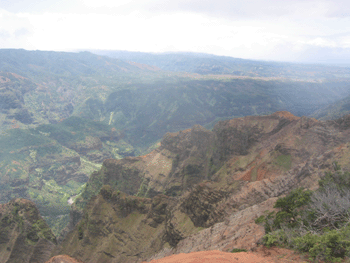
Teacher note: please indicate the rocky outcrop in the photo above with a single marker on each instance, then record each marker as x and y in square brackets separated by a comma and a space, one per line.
[116, 227]
[245, 149]
[24, 235]
[74, 217]
[237, 231]
[202, 190]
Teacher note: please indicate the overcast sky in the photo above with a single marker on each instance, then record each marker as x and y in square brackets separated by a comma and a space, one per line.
[288, 30]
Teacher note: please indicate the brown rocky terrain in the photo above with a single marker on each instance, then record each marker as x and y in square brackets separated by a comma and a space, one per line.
[202, 190]
[24, 235]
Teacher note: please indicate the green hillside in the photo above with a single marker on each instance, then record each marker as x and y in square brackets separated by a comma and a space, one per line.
[335, 110]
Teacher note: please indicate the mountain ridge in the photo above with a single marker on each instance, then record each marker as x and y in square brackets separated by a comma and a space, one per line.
[201, 189]
[280, 152]
[204, 64]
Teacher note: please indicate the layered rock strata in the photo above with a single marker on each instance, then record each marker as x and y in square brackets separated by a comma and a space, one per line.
[201, 189]
[24, 235]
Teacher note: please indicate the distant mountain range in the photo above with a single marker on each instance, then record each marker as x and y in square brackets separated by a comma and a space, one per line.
[211, 64]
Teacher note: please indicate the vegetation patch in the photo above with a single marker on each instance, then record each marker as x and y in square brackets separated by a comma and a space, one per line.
[254, 174]
[284, 161]
[91, 188]
[142, 192]
[313, 222]
[237, 250]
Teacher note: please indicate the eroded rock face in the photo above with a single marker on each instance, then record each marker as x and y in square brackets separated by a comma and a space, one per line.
[237, 231]
[246, 149]
[203, 189]
[24, 235]
[202, 202]
[116, 227]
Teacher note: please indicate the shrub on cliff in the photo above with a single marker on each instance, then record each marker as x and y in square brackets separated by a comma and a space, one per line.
[291, 212]
[314, 222]
[106, 191]
[331, 246]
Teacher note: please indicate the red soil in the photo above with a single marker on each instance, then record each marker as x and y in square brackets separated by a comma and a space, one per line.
[262, 171]
[262, 255]
[286, 115]
[63, 259]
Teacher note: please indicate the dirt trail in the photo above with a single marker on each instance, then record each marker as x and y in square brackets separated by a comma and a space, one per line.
[63, 259]
[261, 255]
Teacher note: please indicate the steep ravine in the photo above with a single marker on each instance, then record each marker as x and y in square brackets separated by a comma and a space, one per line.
[201, 189]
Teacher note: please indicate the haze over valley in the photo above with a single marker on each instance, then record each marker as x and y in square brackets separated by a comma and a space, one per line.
[63, 114]
[134, 131]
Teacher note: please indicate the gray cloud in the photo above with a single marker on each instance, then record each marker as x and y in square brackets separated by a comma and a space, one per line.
[14, 39]
[4, 34]
[308, 53]
[227, 8]
[38, 6]
[21, 32]
[325, 55]
[292, 30]
[339, 9]
[232, 9]
[253, 9]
